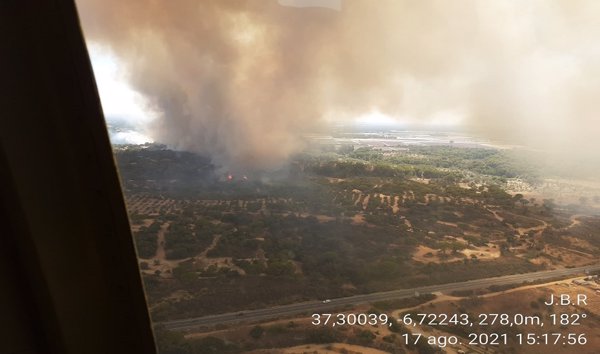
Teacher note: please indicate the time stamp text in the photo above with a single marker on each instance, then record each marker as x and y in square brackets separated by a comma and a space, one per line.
[474, 326]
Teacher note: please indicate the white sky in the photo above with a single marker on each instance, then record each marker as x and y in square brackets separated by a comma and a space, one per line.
[121, 104]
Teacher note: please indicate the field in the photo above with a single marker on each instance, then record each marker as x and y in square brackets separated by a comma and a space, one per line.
[339, 223]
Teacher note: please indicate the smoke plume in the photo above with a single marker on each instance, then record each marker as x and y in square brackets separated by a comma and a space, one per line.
[243, 80]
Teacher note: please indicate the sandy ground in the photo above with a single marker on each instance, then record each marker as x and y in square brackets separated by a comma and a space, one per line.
[146, 223]
[358, 219]
[443, 302]
[333, 348]
[482, 253]
[159, 262]
[166, 266]
[160, 247]
[568, 256]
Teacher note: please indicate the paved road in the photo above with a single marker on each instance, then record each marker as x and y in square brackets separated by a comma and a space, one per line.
[316, 306]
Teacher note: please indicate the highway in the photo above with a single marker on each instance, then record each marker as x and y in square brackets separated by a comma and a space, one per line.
[319, 306]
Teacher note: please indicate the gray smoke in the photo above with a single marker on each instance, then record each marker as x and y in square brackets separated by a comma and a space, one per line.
[243, 80]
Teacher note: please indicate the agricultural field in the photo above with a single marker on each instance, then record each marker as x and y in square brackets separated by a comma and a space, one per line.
[334, 224]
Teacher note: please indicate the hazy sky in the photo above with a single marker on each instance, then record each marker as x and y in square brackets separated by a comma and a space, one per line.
[244, 80]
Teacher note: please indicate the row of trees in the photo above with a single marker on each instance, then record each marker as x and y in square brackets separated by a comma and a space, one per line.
[146, 240]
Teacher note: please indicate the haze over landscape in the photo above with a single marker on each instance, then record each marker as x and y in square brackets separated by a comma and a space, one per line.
[282, 160]
[243, 81]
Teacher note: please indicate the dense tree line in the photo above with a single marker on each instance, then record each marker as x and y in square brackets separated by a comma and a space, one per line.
[146, 240]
